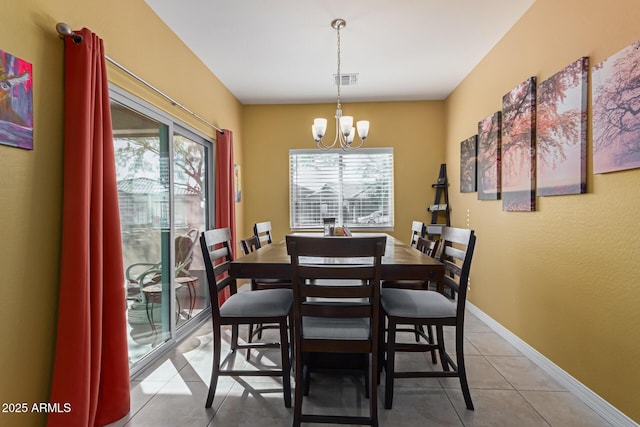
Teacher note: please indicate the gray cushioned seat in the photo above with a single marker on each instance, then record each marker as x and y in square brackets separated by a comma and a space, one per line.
[266, 303]
[416, 303]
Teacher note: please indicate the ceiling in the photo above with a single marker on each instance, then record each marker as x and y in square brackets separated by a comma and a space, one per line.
[285, 51]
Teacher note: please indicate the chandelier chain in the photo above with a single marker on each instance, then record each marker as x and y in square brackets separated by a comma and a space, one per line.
[339, 75]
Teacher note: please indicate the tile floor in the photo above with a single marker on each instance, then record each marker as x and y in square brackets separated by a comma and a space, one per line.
[507, 390]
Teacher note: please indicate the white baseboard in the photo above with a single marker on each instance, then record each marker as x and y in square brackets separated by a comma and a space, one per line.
[607, 411]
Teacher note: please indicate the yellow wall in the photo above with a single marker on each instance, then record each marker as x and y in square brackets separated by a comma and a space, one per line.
[31, 181]
[563, 278]
[415, 130]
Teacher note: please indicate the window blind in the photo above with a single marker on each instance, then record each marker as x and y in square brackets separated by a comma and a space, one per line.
[354, 187]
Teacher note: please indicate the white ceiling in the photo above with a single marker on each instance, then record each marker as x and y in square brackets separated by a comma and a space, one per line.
[285, 51]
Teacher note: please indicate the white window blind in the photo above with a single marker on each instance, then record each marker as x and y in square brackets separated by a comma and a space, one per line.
[354, 187]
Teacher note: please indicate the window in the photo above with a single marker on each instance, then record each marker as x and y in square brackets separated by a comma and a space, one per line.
[354, 187]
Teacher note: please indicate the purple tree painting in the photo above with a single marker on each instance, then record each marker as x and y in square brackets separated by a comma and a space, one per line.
[489, 141]
[518, 150]
[562, 131]
[16, 102]
[468, 154]
[616, 111]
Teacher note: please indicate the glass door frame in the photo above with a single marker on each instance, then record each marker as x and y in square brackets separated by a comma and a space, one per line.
[173, 125]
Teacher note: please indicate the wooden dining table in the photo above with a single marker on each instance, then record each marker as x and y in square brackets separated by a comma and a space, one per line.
[400, 261]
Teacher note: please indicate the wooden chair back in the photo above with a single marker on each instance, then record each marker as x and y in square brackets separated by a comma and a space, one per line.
[249, 244]
[456, 252]
[217, 257]
[262, 230]
[418, 229]
[426, 246]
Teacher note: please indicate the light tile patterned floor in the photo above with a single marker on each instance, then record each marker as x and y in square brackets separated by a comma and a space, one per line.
[506, 387]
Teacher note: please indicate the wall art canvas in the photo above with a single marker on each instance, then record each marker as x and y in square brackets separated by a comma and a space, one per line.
[237, 184]
[616, 111]
[561, 151]
[16, 102]
[468, 154]
[488, 164]
[518, 149]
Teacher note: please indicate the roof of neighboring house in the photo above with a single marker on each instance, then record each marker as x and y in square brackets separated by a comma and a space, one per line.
[151, 186]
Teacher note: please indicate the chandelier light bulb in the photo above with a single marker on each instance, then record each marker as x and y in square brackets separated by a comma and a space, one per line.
[318, 128]
[349, 137]
[346, 124]
[363, 128]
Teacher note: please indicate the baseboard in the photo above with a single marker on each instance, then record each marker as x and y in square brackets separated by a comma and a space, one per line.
[607, 411]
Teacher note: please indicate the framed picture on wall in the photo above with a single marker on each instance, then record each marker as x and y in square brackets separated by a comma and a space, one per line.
[237, 183]
[616, 121]
[488, 160]
[518, 149]
[561, 124]
[16, 102]
[468, 155]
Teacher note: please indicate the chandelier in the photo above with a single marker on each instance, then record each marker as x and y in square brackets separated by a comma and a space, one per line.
[345, 132]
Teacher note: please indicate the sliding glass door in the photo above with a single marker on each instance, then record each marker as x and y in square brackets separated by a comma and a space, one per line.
[190, 207]
[162, 169]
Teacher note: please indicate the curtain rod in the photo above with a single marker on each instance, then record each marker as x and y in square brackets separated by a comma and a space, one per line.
[64, 30]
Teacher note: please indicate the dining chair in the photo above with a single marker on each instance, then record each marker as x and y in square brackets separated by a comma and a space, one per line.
[418, 229]
[428, 247]
[251, 244]
[432, 307]
[247, 246]
[242, 308]
[336, 292]
[262, 230]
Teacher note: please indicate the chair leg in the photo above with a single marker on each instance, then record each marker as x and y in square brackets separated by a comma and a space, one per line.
[286, 366]
[215, 372]
[367, 377]
[373, 387]
[434, 359]
[234, 337]
[462, 371]
[389, 367]
[306, 373]
[441, 349]
[381, 342]
[298, 392]
[249, 340]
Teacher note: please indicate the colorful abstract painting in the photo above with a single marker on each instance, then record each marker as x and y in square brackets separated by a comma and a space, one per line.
[561, 121]
[488, 164]
[16, 102]
[468, 154]
[616, 111]
[518, 149]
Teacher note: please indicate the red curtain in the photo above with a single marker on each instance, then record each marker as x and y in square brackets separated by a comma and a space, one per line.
[91, 371]
[225, 196]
